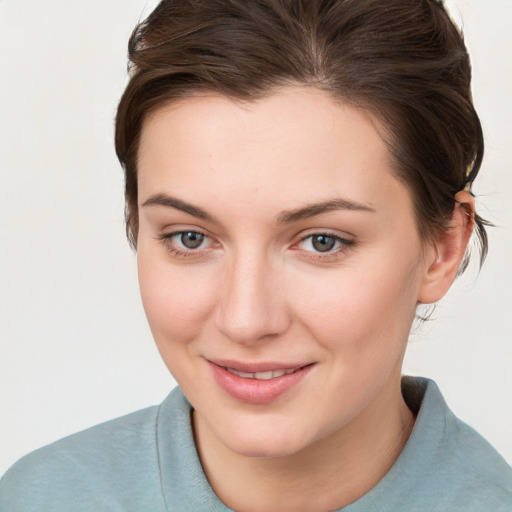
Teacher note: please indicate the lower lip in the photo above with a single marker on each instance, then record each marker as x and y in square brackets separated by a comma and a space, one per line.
[256, 391]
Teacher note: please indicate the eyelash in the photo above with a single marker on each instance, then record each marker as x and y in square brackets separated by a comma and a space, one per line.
[343, 245]
[169, 244]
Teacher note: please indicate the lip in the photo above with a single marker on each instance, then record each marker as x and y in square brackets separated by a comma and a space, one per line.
[254, 367]
[257, 391]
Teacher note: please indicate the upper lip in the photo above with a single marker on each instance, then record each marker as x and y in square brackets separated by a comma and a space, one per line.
[255, 367]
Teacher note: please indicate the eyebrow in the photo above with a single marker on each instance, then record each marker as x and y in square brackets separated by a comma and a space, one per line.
[173, 202]
[315, 209]
[285, 217]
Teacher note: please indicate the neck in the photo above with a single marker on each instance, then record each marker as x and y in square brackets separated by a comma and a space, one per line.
[330, 474]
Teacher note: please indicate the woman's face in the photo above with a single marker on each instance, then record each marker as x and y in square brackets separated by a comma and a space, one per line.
[279, 264]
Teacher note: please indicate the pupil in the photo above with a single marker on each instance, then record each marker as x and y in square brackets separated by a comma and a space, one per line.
[192, 240]
[323, 243]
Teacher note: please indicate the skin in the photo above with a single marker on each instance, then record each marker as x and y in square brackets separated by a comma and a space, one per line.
[257, 289]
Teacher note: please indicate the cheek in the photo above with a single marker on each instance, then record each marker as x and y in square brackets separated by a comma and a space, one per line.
[360, 306]
[177, 299]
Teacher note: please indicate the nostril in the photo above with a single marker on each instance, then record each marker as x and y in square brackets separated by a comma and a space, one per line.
[252, 323]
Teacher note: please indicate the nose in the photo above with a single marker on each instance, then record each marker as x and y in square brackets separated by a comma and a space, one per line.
[252, 308]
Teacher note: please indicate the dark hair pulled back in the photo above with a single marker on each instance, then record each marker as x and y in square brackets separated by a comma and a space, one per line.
[403, 60]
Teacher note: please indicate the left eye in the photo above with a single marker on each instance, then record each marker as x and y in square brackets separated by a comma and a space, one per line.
[322, 243]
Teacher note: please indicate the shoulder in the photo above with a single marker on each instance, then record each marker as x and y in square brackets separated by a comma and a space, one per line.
[454, 461]
[480, 476]
[96, 469]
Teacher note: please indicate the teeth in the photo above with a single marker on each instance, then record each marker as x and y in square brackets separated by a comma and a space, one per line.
[245, 375]
[263, 375]
[272, 374]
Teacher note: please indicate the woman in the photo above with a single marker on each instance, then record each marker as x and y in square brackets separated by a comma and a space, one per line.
[298, 182]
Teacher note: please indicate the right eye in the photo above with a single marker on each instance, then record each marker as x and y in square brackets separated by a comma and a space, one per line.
[189, 239]
[186, 243]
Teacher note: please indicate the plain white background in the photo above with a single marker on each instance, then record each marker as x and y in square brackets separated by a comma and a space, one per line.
[75, 349]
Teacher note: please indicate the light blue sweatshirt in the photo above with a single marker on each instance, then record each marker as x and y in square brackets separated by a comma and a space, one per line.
[147, 462]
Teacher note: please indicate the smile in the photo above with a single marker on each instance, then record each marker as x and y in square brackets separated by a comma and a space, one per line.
[264, 384]
[272, 374]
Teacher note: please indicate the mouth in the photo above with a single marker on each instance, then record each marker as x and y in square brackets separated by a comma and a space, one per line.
[271, 374]
[258, 383]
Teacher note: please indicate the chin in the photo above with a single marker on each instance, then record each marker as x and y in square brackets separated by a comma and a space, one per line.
[271, 440]
[264, 448]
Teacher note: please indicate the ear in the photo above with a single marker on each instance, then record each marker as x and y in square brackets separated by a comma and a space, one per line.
[443, 257]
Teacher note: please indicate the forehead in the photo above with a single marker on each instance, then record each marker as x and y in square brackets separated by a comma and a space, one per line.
[296, 145]
[293, 113]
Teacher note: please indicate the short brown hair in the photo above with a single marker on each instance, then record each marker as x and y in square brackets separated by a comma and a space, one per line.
[404, 60]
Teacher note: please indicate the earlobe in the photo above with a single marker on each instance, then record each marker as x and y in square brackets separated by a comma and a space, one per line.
[444, 257]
